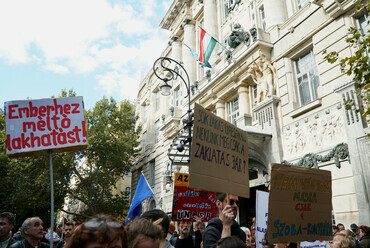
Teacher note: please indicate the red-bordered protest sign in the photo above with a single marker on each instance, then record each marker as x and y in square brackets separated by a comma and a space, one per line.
[188, 202]
[56, 124]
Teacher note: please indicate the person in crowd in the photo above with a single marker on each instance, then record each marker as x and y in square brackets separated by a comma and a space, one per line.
[341, 240]
[364, 236]
[171, 232]
[199, 228]
[32, 232]
[6, 226]
[67, 234]
[335, 229]
[17, 235]
[354, 229]
[143, 233]
[102, 231]
[157, 214]
[248, 239]
[224, 225]
[185, 239]
[52, 240]
[230, 242]
[341, 227]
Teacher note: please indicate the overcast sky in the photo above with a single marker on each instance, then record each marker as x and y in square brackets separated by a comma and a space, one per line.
[96, 47]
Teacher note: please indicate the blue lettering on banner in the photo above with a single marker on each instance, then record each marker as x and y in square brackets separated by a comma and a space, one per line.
[283, 229]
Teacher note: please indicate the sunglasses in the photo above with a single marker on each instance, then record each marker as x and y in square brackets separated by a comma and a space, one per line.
[96, 223]
[233, 201]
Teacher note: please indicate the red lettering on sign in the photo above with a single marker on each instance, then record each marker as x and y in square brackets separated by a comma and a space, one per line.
[11, 111]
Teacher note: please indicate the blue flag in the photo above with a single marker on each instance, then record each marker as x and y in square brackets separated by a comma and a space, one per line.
[196, 57]
[142, 192]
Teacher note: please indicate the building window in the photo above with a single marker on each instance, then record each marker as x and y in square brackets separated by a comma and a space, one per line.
[156, 132]
[128, 192]
[152, 205]
[233, 110]
[363, 22]
[145, 114]
[254, 90]
[152, 174]
[226, 8]
[364, 26]
[262, 16]
[307, 78]
[144, 139]
[177, 96]
[157, 100]
[252, 17]
[302, 3]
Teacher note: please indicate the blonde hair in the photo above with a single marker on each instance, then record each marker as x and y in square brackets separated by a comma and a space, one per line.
[347, 241]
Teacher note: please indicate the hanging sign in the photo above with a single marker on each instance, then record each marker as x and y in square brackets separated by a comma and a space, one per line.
[188, 202]
[299, 204]
[56, 124]
[219, 155]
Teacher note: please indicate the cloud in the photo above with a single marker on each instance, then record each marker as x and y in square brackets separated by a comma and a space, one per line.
[59, 69]
[113, 41]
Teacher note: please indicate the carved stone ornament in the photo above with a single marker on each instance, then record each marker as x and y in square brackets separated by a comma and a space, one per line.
[340, 151]
[237, 36]
[264, 75]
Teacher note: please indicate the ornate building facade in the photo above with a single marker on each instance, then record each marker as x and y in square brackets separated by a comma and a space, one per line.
[269, 77]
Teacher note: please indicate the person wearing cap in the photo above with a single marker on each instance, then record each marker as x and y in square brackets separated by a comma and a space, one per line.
[53, 240]
[32, 231]
[6, 226]
[225, 224]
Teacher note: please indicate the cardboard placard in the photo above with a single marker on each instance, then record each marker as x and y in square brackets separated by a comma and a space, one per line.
[45, 124]
[188, 202]
[299, 204]
[219, 155]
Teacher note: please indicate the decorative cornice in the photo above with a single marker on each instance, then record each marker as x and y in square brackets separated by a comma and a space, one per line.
[340, 151]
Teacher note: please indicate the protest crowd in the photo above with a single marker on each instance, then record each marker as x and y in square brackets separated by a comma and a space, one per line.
[154, 229]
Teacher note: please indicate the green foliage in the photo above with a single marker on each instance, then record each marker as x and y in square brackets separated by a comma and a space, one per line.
[25, 182]
[112, 147]
[112, 138]
[358, 64]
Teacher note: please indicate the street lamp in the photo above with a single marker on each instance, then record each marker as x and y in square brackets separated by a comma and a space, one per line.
[166, 88]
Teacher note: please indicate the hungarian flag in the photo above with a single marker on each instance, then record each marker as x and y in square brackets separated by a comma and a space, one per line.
[206, 46]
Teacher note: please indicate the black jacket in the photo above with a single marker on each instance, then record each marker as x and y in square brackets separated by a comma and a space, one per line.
[24, 244]
[365, 242]
[214, 230]
[11, 241]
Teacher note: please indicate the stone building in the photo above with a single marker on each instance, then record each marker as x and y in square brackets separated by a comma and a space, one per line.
[270, 78]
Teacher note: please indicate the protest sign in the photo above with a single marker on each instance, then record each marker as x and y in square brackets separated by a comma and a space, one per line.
[262, 203]
[188, 202]
[219, 155]
[299, 204]
[45, 124]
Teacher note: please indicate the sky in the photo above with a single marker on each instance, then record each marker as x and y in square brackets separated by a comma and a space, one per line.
[95, 47]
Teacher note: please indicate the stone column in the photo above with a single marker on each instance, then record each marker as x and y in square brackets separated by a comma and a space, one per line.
[245, 118]
[187, 57]
[275, 13]
[176, 50]
[210, 17]
[220, 109]
[210, 23]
